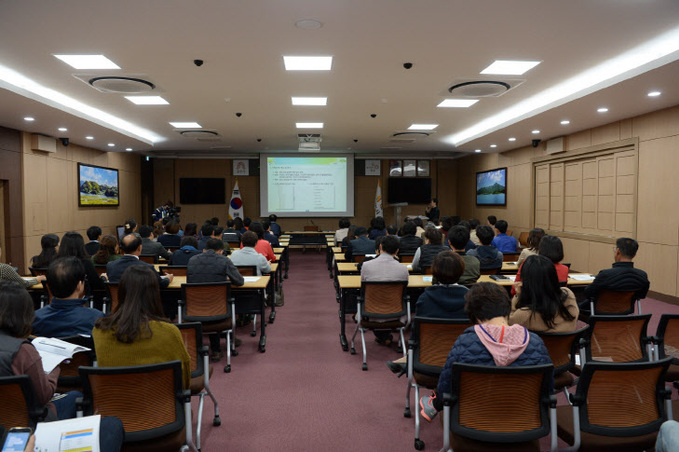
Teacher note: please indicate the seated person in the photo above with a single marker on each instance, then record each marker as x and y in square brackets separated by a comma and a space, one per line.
[458, 237]
[623, 277]
[19, 356]
[263, 246]
[49, 244]
[419, 227]
[268, 236]
[552, 248]
[239, 225]
[137, 333]
[377, 228]
[409, 242]
[73, 244]
[171, 237]
[230, 233]
[433, 245]
[131, 247]
[470, 245]
[540, 304]
[487, 254]
[473, 224]
[66, 315]
[446, 225]
[206, 232]
[275, 227]
[248, 255]
[491, 342]
[360, 245]
[150, 247]
[344, 224]
[534, 237]
[94, 234]
[351, 235]
[503, 242]
[108, 251]
[188, 249]
[444, 299]
[491, 220]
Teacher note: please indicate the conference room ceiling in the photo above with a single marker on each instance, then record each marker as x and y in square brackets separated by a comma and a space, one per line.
[242, 44]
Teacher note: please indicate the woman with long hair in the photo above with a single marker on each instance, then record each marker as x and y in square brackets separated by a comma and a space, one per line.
[108, 250]
[534, 237]
[49, 244]
[73, 244]
[191, 230]
[540, 303]
[137, 333]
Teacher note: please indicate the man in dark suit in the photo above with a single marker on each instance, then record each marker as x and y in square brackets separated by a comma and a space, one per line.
[94, 234]
[360, 245]
[149, 247]
[131, 247]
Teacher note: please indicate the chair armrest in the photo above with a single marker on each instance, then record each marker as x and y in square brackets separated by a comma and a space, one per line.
[576, 399]
[552, 401]
[412, 343]
[184, 396]
[449, 399]
[204, 350]
[81, 406]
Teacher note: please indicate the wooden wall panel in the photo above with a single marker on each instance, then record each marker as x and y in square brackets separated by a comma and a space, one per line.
[659, 124]
[606, 134]
[660, 262]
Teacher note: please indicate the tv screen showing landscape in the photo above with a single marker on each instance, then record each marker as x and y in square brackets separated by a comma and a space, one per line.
[97, 186]
[491, 187]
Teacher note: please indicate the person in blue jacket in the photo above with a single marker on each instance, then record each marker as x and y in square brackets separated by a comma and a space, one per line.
[491, 342]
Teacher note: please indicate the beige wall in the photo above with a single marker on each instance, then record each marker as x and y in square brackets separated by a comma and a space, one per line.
[50, 195]
[657, 219]
[168, 172]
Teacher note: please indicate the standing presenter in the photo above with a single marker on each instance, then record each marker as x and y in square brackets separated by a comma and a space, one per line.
[432, 211]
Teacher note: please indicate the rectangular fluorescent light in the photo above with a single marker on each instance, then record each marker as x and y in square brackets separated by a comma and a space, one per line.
[186, 125]
[457, 103]
[299, 63]
[147, 100]
[309, 125]
[509, 67]
[88, 61]
[423, 126]
[322, 101]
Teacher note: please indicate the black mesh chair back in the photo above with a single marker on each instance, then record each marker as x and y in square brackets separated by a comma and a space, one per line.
[19, 403]
[617, 338]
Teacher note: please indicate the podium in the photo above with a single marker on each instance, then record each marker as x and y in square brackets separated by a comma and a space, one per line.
[397, 212]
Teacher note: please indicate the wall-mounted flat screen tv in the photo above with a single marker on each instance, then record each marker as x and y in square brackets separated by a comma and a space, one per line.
[413, 190]
[491, 187]
[202, 190]
[97, 186]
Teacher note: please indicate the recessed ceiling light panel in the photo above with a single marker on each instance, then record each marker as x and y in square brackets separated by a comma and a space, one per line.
[301, 63]
[493, 145]
[457, 103]
[313, 101]
[535, 132]
[602, 110]
[147, 100]
[423, 126]
[510, 67]
[89, 138]
[309, 125]
[565, 122]
[63, 129]
[654, 94]
[29, 119]
[88, 61]
[512, 139]
[186, 125]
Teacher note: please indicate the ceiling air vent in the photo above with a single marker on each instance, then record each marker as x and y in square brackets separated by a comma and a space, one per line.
[309, 142]
[201, 135]
[481, 88]
[122, 85]
[410, 135]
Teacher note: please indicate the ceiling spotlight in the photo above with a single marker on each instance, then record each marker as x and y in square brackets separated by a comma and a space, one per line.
[111, 145]
[512, 139]
[602, 110]
[535, 132]
[477, 150]
[128, 149]
[29, 118]
[654, 94]
[493, 145]
[63, 129]
[89, 137]
[565, 122]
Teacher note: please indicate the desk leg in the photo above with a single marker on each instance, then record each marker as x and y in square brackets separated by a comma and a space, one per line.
[342, 314]
[262, 338]
[287, 262]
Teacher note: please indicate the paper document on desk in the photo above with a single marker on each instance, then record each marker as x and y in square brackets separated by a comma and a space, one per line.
[54, 351]
[69, 435]
[409, 266]
[426, 278]
[251, 278]
[582, 277]
[513, 278]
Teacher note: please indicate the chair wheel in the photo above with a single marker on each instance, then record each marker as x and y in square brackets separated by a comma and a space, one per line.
[253, 333]
[234, 352]
[419, 444]
[353, 351]
[217, 421]
[262, 349]
[407, 413]
[365, 366]
[227, 369]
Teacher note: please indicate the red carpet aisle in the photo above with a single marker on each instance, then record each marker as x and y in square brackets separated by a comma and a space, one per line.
[305, 393]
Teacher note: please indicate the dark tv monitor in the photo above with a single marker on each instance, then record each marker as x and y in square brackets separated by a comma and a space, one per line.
[97, 186]
[413, 190]
[491, 187]
[202, 190]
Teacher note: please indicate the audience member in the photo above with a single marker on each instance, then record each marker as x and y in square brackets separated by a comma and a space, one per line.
[9, 273]
[130, 226]
[540, 304]
[19, 357]
[503, 242]
[131, 248]
[444, 299]
[552, 248]
[73, 244]
[212, 266]
[94, 234]
[457, 239]
[351, 235]
[66, 315]
[622, 277]
[391, 230]
[171, 238]
[377, 228]
[433, 245]
[344, 224]
[188, 248]
[668, 437]
[470, 245]
[206, 232]
[246, 223]
[385, 267]
[419, 232]
[230, 233]
[191, 230]
[137, 333]
[263, 246]
[218, 233]
[446, 224]
[360, 245]
[492, 219]
[239, 225]
[108, 251]
[214, 221]
[409, 242]
[534, 237]
[275, 227]
[149, 247]
[249, 256]
[473, 224]
[486, 253]
[432, 211]
[491, 342]
[268, 236]
[49, 244]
